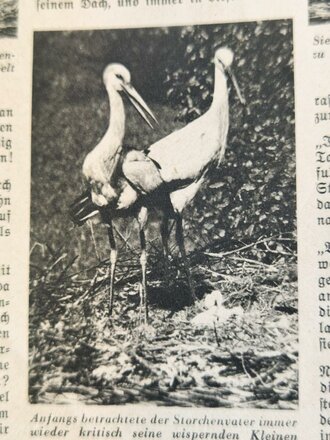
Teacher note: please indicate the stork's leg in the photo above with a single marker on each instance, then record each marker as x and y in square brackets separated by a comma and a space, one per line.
[113, 261]
[142, 219]
[164, 231]
[143, 261]
[180, 241]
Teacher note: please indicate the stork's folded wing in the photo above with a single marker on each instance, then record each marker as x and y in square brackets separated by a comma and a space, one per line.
[141, 172]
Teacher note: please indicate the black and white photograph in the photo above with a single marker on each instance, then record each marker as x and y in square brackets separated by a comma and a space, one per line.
[319, 11]
[163, 243]
[8, 18]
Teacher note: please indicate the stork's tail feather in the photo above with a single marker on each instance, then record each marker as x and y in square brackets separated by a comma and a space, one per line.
[82, 209]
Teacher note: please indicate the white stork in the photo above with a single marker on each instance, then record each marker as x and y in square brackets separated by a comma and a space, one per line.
[100, 167]
[170, 173]
[100, 164]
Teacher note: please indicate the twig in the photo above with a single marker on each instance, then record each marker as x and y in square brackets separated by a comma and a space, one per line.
[70, 263]
[264, 240]
[76, 389]
[125, 240]
[257, 263]
[222, 254]
[140, 360]
[278, 252]
[41, 245]
[41, 365]
[59, 259]
[95, 266]
[225, 276]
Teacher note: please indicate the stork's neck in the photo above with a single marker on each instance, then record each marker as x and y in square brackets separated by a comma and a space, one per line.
[116, 129]
[220, 95]
[220, 106]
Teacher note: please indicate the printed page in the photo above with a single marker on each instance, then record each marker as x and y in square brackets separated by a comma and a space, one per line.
[164, 218]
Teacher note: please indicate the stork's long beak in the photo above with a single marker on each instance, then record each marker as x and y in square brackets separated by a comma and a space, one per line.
[235, 84]
[140, 105]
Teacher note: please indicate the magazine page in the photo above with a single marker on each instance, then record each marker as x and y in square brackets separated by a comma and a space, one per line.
[164, 197]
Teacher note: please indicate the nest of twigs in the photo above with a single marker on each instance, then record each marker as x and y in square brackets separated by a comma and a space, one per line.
[238, 351]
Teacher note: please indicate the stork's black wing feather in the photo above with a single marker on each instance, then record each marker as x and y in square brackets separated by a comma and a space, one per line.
[82, 208]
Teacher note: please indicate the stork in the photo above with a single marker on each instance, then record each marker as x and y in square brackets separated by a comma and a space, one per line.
[169, 174]
[100, 167]
[100, 164]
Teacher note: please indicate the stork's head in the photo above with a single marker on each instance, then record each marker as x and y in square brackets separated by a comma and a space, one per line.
[117, 78]
[223, 59]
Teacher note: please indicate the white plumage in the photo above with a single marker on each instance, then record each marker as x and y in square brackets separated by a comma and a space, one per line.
[107, 189]
[170, 173]
[176, 166]
[183, 157]
[100, 164]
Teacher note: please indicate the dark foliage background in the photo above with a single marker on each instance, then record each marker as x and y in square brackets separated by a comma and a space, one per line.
[251, 195]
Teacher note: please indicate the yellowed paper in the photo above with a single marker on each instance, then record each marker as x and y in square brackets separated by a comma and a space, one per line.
[164, 197]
